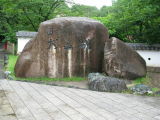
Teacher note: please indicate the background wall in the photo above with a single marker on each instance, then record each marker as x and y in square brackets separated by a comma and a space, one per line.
[152, 58]
[22, 41]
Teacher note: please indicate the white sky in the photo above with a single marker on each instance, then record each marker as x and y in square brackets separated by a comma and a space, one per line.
[97, 3]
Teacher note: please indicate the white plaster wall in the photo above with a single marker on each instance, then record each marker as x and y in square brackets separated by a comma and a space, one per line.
[22, 41]
[152, 58]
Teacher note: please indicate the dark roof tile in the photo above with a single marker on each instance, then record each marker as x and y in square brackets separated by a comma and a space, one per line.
[142, 46]
[26, 34]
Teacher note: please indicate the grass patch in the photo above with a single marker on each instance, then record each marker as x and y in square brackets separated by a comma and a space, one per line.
[128, 91]
[155, 89]
[46, 79]
[10, 67]
[11, 63]
[143, 80]
[146, 81]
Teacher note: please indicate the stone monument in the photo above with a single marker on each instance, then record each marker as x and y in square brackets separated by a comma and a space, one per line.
[64, 47]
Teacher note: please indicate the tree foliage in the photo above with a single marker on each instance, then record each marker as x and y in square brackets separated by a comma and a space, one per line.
[134, 20]
[18, 15]
[129, 20]
[83, 10]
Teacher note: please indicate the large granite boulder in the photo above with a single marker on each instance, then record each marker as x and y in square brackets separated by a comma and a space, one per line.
[122, 61]
[99, 82]
[64, 47]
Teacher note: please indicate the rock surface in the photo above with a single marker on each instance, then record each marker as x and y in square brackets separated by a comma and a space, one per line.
[141, 89]
[157, 93]
[121, 61]
[99, 82]
[64, 47]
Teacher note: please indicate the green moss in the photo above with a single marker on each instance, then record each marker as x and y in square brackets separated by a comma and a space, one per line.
[12, 62]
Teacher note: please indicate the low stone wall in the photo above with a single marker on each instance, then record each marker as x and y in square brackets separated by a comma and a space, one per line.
[153, 69]
[154, 74]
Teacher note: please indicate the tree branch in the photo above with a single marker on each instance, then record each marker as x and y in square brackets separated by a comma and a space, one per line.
[53, 7]
[29, 19]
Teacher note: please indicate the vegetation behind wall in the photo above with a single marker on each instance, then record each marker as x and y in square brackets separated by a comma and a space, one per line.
[129, 20]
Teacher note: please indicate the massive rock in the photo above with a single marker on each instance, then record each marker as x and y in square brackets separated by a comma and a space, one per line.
[64, 47]
[99, 82]
[121, 61]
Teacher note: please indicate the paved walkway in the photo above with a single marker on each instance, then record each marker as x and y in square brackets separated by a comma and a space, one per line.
[30, 101]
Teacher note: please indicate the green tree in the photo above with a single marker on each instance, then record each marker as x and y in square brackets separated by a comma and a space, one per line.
[133, 20]
[18, 15]
[137, 20]
[104, 11]
[84, 11]
[129, 20]
[36, 11]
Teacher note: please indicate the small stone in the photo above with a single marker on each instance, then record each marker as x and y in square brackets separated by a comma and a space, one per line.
[7, 73]
[99, 82]
[141, 89]
[10, 77]
[157, 93]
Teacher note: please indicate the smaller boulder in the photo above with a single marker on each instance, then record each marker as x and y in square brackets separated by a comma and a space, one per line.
[122, 61]
[6, 74]
[10, 77]
[141, 89]
[99, 82]
[157, 93]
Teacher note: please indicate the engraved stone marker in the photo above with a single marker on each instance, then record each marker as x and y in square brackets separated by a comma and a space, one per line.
[64, 47]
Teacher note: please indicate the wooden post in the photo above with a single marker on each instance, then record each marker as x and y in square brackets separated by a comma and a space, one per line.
[5, 46]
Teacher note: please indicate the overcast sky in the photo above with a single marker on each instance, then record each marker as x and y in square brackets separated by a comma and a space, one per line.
[97, 3]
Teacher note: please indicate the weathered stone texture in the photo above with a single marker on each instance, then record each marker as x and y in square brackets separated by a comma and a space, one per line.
[141, 89]
[99, 82]
[121, 61]
[64, 47]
